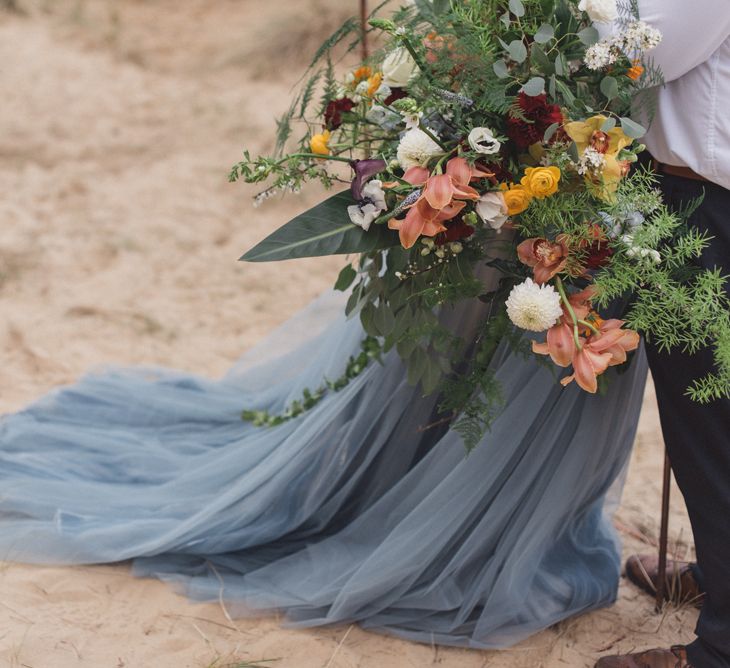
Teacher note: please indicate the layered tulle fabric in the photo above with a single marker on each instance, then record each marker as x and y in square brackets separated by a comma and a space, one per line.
[352, 512]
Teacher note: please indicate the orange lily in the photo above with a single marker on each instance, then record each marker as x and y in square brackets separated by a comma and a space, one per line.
[442, 199]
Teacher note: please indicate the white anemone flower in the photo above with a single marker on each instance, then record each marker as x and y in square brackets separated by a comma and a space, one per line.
[534, 307]
[416, 148]
[492, 209]
[370, 206]
[482, 141]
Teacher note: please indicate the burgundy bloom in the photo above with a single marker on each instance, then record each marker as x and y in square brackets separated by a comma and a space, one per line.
[364, 169]
[597, 254]
[454, 232]
[334, 110]
[395, 94]
[540, 116]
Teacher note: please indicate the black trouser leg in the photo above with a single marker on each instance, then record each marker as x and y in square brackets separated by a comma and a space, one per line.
[698, 438]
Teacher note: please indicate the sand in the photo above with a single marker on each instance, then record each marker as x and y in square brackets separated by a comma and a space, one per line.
[118, 244]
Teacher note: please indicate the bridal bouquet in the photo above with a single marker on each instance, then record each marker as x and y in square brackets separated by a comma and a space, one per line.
[498, 133]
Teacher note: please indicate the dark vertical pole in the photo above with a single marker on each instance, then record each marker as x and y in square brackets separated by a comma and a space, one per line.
[664, 535]
[364, 28]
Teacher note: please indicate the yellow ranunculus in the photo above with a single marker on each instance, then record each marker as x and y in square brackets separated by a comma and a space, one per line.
[516, 197]
[320, 143]
[541, 182]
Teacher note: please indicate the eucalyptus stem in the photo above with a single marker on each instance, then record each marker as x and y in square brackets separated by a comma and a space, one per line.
[571, 312]
[430, 134]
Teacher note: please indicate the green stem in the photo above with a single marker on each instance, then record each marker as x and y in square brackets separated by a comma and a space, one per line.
[587, 324]
[571, 312]
[430, 134]
[319, 156]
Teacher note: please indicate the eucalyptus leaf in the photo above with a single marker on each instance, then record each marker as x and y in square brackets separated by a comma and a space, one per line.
[517, 8]
[325, 229]
[417, 363]
[540, 60]
[345, 279]
[589, 36]
[500, 69]
[534, 87]
[573, 152]
[559, 65]
[609, 124]
[632, 128]
[367, 319]
[544, 33]
[504, 44]
[506, 20]
[384, 319]
[550, 132]
[517, 51]
[609, 87]
[552, 87]
[431, 376]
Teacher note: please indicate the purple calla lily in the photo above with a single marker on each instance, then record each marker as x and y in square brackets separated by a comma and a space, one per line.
[364, 169]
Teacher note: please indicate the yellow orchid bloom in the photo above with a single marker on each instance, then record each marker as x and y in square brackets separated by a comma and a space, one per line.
[587, 134]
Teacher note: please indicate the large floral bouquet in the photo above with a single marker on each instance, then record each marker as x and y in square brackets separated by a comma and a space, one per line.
[500, 133]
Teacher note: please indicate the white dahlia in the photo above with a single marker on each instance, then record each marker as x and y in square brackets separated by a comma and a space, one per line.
[416, 148]
[534, 307]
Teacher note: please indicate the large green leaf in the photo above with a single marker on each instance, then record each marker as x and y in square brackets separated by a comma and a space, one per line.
[325, 229]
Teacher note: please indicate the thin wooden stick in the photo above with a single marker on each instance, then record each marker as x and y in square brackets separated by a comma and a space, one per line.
[364, 28]
[664, 535]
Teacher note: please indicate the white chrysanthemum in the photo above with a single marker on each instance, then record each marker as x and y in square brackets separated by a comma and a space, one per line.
[416, 148]
[534, 307]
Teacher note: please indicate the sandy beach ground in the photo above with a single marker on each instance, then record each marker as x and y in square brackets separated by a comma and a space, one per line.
[118, 243]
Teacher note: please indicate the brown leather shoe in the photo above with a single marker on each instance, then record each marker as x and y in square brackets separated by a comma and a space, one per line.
[676, 657]
[680, 586]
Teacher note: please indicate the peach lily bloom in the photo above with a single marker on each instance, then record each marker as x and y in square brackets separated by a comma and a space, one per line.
[597, 351]
[545, 257]
[442, 198]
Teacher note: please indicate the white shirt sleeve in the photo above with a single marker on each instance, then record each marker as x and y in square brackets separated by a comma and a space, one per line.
[691, 32]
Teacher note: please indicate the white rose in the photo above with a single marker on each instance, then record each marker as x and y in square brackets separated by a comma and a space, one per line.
[482, 141]
[600, 11]
[398, 68]
[369, 208]
[416, 148]
[492, 209]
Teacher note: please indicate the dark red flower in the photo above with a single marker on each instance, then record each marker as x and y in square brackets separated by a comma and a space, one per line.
[395, 94]
[540, 116]
[597, 251]
[454, 232]
[334, 110]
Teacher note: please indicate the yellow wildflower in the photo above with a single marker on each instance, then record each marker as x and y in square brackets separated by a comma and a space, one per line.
[541, 182]
[516, 197]
[362, 73]
[374, 83]
[320, 143]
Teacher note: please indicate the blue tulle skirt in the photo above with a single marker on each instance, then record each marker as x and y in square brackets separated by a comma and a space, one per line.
[351, 513]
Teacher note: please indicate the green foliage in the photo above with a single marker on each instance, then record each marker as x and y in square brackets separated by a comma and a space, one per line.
[370, 349]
